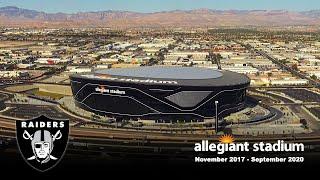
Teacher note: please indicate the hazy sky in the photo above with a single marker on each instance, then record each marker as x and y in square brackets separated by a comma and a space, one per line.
[70, 6]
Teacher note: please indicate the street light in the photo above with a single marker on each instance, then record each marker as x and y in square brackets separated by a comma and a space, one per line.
[216, 124]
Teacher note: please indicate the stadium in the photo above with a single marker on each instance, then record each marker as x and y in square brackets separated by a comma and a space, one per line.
[156, 92]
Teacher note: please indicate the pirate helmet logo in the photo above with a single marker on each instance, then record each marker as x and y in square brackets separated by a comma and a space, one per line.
[42, 141]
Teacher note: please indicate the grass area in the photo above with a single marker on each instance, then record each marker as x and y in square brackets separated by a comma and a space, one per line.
[55, 96]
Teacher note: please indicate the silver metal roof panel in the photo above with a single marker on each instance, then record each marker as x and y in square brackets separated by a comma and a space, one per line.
[163, 72]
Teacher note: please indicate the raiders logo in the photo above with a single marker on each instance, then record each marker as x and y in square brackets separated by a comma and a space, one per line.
[42, 141]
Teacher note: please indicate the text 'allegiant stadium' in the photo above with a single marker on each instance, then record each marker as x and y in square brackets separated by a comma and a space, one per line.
[151, 81]
[221, 148]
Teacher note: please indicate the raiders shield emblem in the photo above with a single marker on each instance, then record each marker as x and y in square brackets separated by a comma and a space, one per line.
[42, 141]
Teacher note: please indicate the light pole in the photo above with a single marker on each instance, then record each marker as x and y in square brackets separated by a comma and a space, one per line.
[216, 124]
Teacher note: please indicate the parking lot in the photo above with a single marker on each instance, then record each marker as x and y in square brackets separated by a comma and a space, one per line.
[315, 111]
[25, 111]
[301, 94]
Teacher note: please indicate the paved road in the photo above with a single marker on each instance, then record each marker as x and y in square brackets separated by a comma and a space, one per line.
[122, 135]
[314, 124]
[283, 66]
[312, 82]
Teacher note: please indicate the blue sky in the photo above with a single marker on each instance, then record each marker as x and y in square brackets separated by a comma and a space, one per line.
[70, 6]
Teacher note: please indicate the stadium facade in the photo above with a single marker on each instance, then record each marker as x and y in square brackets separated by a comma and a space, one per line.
[156, 92]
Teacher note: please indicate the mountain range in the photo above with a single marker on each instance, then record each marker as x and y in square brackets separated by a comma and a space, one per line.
[14, 16]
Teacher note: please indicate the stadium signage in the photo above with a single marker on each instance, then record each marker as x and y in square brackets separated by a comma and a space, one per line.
[101, 89]
[151, 81]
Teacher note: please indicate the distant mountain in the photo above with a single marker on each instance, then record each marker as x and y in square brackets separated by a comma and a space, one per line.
[312, 14]
[14, 16]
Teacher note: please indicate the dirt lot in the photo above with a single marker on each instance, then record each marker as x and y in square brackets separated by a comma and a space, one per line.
[12, 44]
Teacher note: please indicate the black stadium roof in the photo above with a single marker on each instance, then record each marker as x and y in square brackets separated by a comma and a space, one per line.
[184, 76]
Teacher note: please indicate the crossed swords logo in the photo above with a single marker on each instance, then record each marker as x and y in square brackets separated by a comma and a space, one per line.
[56, 136]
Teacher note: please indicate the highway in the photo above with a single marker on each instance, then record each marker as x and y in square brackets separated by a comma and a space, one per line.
[7, 127]
[120, 143]
[283, 66]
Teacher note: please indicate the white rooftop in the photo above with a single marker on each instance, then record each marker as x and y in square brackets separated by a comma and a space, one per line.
[164, 72]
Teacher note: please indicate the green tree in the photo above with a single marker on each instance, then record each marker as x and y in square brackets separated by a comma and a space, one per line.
[314, 77]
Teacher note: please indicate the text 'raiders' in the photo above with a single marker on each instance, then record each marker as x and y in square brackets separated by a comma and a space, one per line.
[42, 124]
